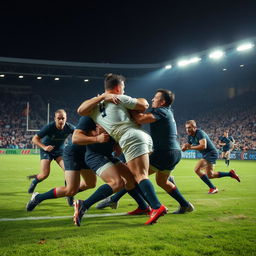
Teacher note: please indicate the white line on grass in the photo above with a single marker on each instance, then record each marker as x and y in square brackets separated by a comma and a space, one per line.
[64, 217]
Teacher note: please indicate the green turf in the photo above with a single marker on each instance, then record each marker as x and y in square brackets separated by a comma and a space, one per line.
[223, 224]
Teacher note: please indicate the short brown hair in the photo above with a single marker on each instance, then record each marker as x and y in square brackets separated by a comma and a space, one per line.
[60, 111]
[193, 122]
[112, 80]
[167, 95]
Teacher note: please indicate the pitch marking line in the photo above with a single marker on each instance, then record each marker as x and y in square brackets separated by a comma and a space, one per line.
[64, 217]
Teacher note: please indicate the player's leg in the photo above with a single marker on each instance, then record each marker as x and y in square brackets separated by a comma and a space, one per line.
[73, 180]
[59, 160]
[227, 155]
[211, 174]
[139, 167]
[133, 190]
[44, 173]
[113, 183]
[200, 166]
[89, 180]
[162, 180]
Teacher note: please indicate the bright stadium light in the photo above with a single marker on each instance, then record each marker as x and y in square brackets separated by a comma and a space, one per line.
[244, 47]
[86, 80]
[183, 63]
[168, 66]
[21, 77]
[242, 65]
[56, 78]
[39, 78]
[218, 54]
[2, 75]
[224, 69]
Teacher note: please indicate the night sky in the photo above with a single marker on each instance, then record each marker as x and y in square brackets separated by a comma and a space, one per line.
[122, 31]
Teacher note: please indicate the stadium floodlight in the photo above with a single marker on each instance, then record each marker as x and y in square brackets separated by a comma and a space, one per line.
[21, 77]
[2, 75]
[244, 47]
[86, 80]
[218, 54]
[39, 78]
[224, 69]
[242, 65]
[56, 78]
[168, 66]
[183, 63]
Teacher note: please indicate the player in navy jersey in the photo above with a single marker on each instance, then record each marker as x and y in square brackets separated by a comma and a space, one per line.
[227, 143]
[74, 162]
[199, 140]
[50, 139]
[110, 110]
[167, 152]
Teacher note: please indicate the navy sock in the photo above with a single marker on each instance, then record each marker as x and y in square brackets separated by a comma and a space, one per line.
[102, 192]
[175, 193]
[228, 162]
[206, 180]
[224, 174]
[115, 198]
[135, 194]
[148, 190]
[35, 181]
[47, 195]
[142, 194]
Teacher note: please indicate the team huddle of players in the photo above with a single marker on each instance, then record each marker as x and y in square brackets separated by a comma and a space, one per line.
[108, 141]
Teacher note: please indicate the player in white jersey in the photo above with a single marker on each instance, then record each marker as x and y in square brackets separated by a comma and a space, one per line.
[110, 110]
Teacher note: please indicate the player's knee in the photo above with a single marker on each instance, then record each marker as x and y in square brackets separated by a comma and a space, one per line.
[43, 176]
[210, 175]
[71, 192]
[91, 185]
[161, 183]
[197, 170]
[117, 184]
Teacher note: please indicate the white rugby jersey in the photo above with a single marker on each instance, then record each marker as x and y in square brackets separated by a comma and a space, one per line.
[115, 118]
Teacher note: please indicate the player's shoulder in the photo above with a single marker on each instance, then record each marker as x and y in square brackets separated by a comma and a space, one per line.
[49, 125]
[69, 126]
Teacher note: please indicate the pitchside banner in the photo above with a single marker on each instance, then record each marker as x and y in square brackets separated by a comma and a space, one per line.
[189, 154]
[8, 151]
[236, 155]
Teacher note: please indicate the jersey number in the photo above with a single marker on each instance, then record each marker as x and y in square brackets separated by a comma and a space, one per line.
[103, 110]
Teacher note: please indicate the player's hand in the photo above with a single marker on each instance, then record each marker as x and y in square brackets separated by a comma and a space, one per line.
[183, 148]
[103, 137]
[111, 98]
[48, 148]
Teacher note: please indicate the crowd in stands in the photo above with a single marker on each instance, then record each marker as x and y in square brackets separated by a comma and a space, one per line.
[238, 119]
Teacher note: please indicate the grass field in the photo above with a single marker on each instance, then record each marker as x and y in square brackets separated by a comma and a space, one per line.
[223, 224]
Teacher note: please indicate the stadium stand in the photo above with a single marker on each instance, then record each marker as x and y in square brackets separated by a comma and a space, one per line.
[238, 116]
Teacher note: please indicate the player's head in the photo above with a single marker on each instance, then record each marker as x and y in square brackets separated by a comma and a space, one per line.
[190, 127]
[225, 133]
[60, 118]
[163, 98]
[114, 83]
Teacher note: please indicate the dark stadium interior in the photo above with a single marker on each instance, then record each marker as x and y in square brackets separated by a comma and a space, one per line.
[217, 99]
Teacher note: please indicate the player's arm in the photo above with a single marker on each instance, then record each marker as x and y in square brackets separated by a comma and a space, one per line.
[185, 147]
[202, 145]
[141, 105]
[87, 106]
[142, 118]
[37, 141]
[79, 137]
